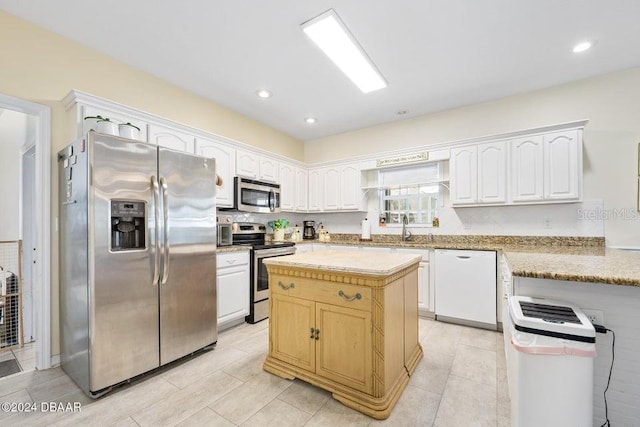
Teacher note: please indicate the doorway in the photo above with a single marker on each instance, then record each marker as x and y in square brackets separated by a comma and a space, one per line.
[33, 214]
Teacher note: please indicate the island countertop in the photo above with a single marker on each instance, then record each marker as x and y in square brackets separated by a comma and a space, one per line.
[344, 261]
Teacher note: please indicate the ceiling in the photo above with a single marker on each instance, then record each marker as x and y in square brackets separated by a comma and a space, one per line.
[435, 54]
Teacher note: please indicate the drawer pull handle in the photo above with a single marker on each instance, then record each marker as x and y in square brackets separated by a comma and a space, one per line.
[312, 331]
[317, 334]
[356, 296]
[285, 287]
[231, 261]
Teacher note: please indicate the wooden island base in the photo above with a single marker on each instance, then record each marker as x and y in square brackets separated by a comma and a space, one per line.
[375, 407]
[347, 323]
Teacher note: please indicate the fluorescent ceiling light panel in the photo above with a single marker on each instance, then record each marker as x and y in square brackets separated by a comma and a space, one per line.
[332, 36]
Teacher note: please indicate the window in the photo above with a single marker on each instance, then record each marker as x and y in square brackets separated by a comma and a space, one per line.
[412, 191]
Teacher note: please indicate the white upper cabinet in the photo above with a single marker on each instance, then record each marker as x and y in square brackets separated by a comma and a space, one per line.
[350, 187]
[316, 186]
[342, 188]
[331, 188]
[247, 164]
[478, 174]
[463, 175]
[171, 138]
[547, 167]
[563, 169]
[269, 169]
[254, 166]
[527, 181]
[302, 187]
[540, 168]
[293, 188]
[288, 187]
[492, 172]
[225, 157]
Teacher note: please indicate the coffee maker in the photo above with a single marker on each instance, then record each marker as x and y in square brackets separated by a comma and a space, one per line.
[309, 232]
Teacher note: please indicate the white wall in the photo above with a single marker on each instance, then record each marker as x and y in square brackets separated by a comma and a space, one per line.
[14, 131]
[610, 102]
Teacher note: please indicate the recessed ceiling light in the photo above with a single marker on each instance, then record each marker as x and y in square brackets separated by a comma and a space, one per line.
[263, 93]
[401, 112]
[581, 47]
[330, 34]
[310, 120]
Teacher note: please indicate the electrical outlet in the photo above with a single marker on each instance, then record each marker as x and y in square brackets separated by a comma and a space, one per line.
[595, 316]
[547, 222]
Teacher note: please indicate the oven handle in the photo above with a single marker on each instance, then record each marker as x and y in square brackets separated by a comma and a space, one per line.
[268, 253]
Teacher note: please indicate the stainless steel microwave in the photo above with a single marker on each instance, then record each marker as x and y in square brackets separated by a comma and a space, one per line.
[256, 196]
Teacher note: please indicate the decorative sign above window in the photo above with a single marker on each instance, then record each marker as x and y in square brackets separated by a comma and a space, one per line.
[403, 160]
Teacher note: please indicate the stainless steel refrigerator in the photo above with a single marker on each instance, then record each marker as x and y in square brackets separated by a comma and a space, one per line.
[137, 258]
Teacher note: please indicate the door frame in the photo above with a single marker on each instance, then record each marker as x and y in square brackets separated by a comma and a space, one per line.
[43, 179]
[28, 151]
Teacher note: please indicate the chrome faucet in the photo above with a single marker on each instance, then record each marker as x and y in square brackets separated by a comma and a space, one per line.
[406, 234]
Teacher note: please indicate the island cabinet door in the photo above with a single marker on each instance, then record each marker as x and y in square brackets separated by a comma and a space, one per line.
[344, 346]
[293, 337]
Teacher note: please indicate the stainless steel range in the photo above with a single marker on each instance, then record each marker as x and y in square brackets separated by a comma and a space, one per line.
[253, 234]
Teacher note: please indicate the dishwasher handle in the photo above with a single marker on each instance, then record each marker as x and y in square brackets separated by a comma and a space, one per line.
[463, 256]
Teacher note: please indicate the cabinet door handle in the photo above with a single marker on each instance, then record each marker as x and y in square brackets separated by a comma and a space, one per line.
[317, 334]
[356, 296]
[312, 331]
[285, 287]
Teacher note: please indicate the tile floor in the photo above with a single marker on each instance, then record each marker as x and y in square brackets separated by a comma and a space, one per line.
[461, 381]
[26, 356]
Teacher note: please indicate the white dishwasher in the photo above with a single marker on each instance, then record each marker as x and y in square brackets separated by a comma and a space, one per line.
[465, 287]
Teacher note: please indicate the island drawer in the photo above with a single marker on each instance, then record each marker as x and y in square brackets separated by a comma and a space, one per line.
[358, 297]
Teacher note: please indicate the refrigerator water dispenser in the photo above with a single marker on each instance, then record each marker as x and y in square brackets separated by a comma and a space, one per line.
[127, 225]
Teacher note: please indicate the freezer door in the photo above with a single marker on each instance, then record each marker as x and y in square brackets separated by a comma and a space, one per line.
[123, 308]
[188, 319]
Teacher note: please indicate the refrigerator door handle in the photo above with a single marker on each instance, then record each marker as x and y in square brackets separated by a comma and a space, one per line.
[165, 212]
[156, 200]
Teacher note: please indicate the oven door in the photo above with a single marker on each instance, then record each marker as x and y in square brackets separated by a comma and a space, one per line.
[260, 289]
[257, 196]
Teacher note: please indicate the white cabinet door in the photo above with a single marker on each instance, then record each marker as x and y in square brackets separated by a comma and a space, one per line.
[316, 190]
[562, 171]
[247, 164]
[425, 293]
[171, 138]
[269, 169]
[423, 287]
[331, 188]
[233, 286]
[288, 187]
[527, 170]
[350, 187]
[464, 175]
[492, 172]
[301, 181]
[225, 168]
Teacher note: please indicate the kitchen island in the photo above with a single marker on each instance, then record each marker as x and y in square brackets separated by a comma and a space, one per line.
[347, 323]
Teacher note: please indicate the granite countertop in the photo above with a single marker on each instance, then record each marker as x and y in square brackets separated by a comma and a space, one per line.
[609, 266]
[351, 262]
[233, 248]
[580, 259]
